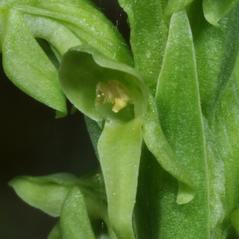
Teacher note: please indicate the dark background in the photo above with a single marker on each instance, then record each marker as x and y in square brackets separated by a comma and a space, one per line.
[33, 142]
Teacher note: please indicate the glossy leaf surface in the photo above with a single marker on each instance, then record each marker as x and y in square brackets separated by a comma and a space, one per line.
[27, 66]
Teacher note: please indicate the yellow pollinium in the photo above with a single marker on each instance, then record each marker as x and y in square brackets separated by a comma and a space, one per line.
[112, 92]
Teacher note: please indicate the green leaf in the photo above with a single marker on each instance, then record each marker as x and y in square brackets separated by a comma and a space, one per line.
[147, 213]
[216, 51]
[63, 25]
[84, 71]
[55, 233]
[27, 66]
[178, 99]
[119, 149]
[176, 5]
[148, 37]
[181, 119]
[45, 193]
[225, 126]
[86, 22]
[181, 123]
[158, 145]
[94, 131]
[48, 193]
[235, 220]
[59, 36]
[215, 10]
[93, 188]
[74, 221]
[102, 237]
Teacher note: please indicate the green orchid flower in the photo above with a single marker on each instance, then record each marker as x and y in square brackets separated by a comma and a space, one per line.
[162, 113]
[62, 25]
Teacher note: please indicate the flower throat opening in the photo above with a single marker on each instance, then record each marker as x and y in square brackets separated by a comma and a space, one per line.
[112, 92]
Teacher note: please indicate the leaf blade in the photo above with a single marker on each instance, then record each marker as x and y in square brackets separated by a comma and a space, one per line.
[74, 219]
[87, 23]
[180, 115]
[215, 10]
[55, 233]
[216, 51]
[27, 66]
[148, 37]
[176, 5]
[41, 194]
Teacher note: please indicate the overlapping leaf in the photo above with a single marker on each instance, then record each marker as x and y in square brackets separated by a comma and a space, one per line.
[86, 22]
[214, 10]
[176, 5]
[225, 127]
[75, 222]
[148, 37]
[159, 146]
[55, 233]
[177, 86]
[27, 66]
[45, 193]
[62, 25]
[48, 193]
[216, 50]
[180, 115]
[201, 153]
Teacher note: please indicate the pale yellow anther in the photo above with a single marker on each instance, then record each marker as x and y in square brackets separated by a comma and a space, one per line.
[119, 104]
[112, 92]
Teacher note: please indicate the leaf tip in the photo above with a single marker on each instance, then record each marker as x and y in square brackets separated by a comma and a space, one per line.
[185, 194]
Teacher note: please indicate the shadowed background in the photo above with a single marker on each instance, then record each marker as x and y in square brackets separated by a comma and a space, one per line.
[33, 142]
